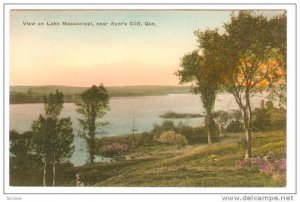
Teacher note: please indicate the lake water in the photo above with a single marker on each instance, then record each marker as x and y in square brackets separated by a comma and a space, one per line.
[144, 110]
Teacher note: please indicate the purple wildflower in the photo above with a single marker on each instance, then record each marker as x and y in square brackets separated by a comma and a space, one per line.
[268, 165]
[282, 166]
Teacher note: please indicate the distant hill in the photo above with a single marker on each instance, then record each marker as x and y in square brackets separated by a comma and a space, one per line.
[34, 94]
[46, 89]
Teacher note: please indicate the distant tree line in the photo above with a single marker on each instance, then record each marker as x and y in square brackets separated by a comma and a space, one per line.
[35, 94]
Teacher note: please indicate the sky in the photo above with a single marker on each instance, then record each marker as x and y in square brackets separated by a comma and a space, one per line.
[112, 55]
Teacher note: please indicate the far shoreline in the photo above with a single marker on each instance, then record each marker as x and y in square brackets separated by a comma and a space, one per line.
[112, 97]
[35, 94]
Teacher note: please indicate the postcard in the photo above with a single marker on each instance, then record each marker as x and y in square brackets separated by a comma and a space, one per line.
[151, 98]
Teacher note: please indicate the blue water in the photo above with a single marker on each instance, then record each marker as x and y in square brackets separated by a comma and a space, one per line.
[144, 110]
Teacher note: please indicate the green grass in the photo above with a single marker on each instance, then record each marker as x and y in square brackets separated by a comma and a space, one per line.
[172, 166]
[190, 166]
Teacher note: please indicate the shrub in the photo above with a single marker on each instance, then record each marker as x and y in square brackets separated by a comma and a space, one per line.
[222, 118]
[146, 138]
[261, 119]
[235, 126]
[229, 121]
[235, 114]
[170, 137]
[269, 118]
[165, 126]
[113, 149]
[195, 135]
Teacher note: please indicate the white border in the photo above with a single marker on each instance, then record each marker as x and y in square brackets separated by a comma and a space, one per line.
[291, 180]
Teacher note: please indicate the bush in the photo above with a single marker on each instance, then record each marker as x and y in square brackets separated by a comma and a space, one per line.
[113, 149]
[269, 118]
[261, 119]
[195, 135]
[165, 126]
[235, 126]
[222, 118]
[146, 138]
[235, 114]
[229, 121]
[170, 137]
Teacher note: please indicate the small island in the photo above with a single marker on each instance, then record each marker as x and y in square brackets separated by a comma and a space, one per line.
[175, 115]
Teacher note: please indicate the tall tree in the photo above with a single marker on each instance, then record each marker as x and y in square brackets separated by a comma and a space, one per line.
[250, 57]
[255, 66]
[53, 104]
[43, 131]
[53, 137]
[62, 143]
[93, 105]
[204, 74]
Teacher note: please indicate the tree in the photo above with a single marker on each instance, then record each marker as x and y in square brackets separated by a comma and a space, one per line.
[250, 57]
[53, 137]
[277, 27]
[22, 159]
[20, 148]
[93, 105]
[255, 65]
[62, 142]
[204, 74]
[43, 129]
[53, 104]
[193, 66]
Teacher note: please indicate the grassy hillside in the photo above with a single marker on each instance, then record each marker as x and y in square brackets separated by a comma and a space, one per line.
[34, 94]
[190, 166]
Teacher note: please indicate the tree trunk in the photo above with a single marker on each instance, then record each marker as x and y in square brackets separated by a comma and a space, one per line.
[92, 134]
[248, 153]
[248, 121]
[248, 133]
[44, 174]
[53, 170]
[247, 116]
[208, 123]
[91, 157]
[92, 148]
[208, 137]
[220, 126]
